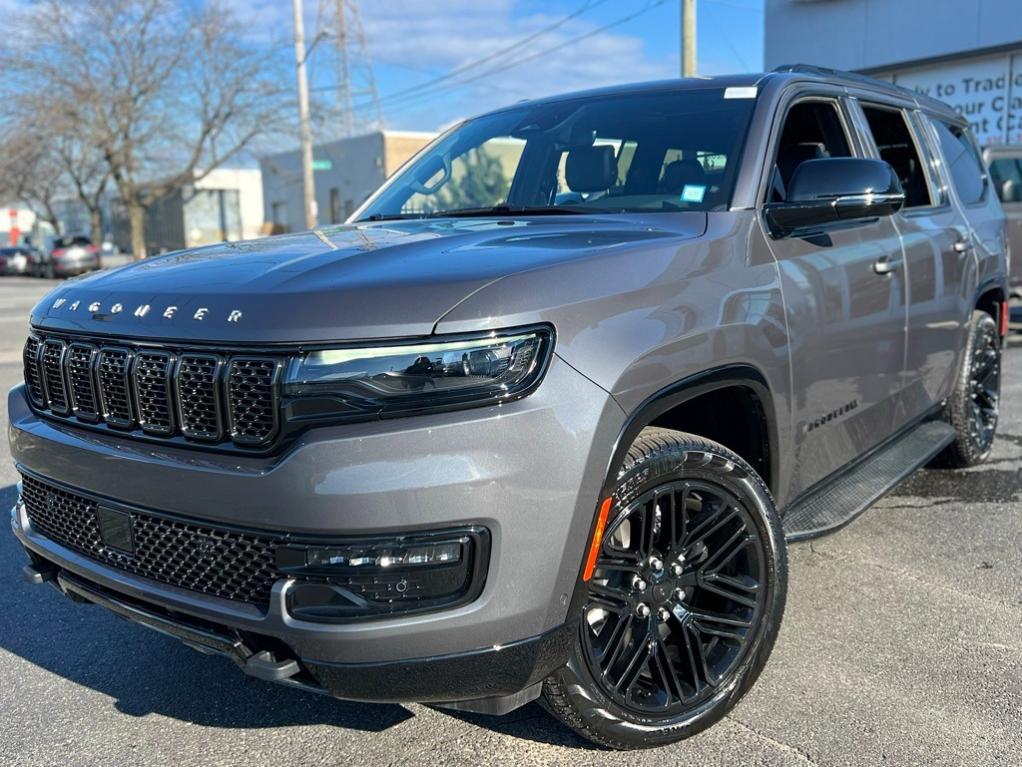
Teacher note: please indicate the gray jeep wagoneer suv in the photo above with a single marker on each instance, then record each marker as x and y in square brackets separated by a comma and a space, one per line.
[538, 421]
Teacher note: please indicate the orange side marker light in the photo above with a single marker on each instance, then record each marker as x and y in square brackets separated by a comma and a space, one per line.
[1005, 316]
[594, 546]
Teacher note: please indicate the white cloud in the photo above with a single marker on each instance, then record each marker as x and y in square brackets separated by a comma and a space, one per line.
[423, 39]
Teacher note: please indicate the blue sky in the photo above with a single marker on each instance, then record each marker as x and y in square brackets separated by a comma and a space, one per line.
[412, 42]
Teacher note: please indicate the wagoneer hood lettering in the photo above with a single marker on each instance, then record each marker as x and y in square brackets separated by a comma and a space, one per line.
[351, 282]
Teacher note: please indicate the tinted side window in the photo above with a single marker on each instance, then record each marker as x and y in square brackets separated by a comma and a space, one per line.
[894, 141]
[963, 163]
[1006, 173]
[812, 131]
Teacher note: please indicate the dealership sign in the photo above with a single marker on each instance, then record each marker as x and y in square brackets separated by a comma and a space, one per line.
[988, 91]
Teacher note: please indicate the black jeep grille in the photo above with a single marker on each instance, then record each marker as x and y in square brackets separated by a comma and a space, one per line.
[220, 562]
[159, 392]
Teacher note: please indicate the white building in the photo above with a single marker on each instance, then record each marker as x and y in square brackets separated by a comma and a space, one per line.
[225, 204]
[967, 53]
[347, 171]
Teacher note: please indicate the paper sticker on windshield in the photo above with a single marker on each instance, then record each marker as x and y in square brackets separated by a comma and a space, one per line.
[693, 193]
[744, 92]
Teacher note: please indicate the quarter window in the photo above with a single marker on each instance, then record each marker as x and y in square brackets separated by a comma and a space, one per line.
[963, 163]
[896, 146]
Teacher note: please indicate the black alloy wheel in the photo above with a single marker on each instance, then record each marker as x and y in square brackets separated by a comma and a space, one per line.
[985, 386]
[685, 599]
[675, 597]
[972, 408]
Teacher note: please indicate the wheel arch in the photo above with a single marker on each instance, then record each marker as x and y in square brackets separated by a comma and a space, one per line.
[990, 298]
[674, 405]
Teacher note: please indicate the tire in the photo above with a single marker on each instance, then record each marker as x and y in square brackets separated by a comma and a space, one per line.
[972, 408]
[729, 529]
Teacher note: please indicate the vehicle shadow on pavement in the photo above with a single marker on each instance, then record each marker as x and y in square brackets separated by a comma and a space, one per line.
[147, 673]
[530, 722]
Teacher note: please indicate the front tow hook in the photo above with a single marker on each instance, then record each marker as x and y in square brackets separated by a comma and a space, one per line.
[263, 665]
[38, 575]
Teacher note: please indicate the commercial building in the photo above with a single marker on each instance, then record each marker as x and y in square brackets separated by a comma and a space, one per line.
[967, 53]
[347, 171]
[16, 223]
[224, 204]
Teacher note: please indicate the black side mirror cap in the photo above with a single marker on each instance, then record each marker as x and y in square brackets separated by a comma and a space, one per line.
[835, 190]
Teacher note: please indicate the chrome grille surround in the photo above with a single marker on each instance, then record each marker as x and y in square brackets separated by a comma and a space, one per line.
[51, 361]
[156, 390]
[81, 358]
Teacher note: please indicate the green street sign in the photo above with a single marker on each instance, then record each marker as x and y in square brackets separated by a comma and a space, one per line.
[322, 165]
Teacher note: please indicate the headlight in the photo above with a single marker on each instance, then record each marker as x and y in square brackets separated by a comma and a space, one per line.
[402, 379]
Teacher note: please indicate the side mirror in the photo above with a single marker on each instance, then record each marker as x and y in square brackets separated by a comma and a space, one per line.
[835, 190]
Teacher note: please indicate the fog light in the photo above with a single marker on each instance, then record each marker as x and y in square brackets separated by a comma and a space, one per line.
[383, 576]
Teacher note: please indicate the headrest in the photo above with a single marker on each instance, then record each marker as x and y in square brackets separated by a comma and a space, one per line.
[679, 173]
[793, 155]
[591, 168]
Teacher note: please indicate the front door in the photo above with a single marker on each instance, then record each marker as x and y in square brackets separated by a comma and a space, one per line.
[844, 295]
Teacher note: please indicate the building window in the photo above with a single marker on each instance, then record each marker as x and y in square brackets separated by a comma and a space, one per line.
[279, 217]
[335, 206]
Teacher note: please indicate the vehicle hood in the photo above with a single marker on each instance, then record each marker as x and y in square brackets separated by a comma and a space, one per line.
[365, 281]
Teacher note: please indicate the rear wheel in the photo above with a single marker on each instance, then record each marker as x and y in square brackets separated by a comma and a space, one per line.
[973, 407]
[685, 602]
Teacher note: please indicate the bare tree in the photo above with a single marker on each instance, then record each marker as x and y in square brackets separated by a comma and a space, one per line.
[162, 91]
[30, 173]
[87, 172]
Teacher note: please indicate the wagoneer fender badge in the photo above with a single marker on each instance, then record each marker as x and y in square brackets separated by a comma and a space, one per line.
[168, 313]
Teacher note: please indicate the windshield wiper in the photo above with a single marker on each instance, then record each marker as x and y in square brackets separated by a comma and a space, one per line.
[507, 210]
[391, 217]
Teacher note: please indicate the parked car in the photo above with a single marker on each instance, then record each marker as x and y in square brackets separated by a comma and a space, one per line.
[1006, 172]
[477, 447]
[15, 260]
[70, 256]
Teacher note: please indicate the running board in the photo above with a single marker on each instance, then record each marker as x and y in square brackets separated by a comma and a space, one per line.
[842, 500]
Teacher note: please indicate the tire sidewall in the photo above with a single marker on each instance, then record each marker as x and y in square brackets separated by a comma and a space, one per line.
[707, 462]
[961, 404]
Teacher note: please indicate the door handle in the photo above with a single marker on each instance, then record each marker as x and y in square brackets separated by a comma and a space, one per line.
[885, 265]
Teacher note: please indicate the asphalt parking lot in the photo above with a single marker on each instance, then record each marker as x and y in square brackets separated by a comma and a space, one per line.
[902, 645]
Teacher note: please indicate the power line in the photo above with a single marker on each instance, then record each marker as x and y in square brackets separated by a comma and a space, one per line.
[420, 93]
[588, 5]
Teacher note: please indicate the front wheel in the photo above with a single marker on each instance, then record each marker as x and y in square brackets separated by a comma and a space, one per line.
[685, 602]
[973, 407]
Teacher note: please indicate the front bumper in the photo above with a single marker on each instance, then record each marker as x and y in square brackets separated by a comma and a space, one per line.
[529, 472]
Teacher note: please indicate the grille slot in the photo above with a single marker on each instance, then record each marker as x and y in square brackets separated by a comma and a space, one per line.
[33, 378]
[157, 391]
[114, 387]
[52, 364]
[205, 558]
[198, 396]
[252, 395]
[152, 392]
[80, 359]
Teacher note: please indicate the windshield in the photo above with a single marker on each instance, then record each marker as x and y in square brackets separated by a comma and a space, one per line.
[639, 152]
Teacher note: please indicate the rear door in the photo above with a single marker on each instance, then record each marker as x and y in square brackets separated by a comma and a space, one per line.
[939, 271]
[846, 319]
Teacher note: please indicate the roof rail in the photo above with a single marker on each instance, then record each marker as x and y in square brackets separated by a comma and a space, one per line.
[811, 69]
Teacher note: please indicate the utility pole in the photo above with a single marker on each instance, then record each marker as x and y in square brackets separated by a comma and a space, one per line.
[304, 132]
[688, 38]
